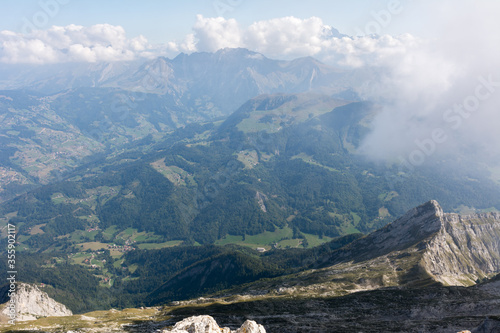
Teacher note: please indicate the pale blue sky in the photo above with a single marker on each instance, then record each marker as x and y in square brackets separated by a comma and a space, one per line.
[161, 21]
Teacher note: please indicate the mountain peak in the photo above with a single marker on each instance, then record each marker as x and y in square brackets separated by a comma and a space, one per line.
[416, 225]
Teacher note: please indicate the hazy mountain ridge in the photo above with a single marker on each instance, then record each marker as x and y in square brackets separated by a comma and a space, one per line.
[106, 106]
[226, 78]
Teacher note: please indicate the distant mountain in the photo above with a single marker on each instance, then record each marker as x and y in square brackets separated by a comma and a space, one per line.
[283, 163]
[72, 111]
[205, 83]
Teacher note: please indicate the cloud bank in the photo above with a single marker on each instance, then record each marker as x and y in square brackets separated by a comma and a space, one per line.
[73, 43]
[282, 38]
[441, 97]
[291, 37]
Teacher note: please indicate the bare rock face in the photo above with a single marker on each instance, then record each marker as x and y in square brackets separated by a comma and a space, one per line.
[32, 303]
[207, 324]
[452, 249]
[465, 250]
[251, 326]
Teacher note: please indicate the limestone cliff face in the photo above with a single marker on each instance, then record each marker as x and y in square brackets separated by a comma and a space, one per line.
[452, 249]
[32, 303]
[465, 249]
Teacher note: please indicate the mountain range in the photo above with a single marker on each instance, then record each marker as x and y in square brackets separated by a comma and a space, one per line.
[236, 178]
[73, 111]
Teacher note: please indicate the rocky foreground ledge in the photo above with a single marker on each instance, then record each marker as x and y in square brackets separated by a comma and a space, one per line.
[207, 324]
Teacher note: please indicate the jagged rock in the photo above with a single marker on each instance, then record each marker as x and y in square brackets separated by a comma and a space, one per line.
[207, 324]
[197, 324]
[251, 326]
[32, 303]
[466, 249]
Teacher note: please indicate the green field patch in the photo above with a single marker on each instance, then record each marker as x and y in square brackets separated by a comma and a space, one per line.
[146, 237]
[110, 232]
[383, 212]
[155, 246]
[315, 240]
[388, 196]
[133, 268]
[23, 238]
[348, 223]
[37, 229]
[79, 257]
[127, 233]
[249, 158]
[289, 113]
[260, 240]
[356, 218]
[97, 262]
[289, 243]
[229, 239]
[91, 234]
[94, 246]
[309, 160]
[176, 175]
[118, 263]
[101, 193]
[58, 198]
[252, 124]
[78, 236]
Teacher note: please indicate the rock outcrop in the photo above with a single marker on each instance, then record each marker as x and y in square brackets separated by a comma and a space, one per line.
[422, 248]
[465, 249]
[32, 303]
[207, 324]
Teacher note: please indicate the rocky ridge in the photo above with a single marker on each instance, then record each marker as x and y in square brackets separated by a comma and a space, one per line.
[422, 248]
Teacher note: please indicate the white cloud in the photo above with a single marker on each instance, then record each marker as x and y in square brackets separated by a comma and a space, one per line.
[291, 37]
[427, 87]
[73, 43]
[216, 33]
[286, 37]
